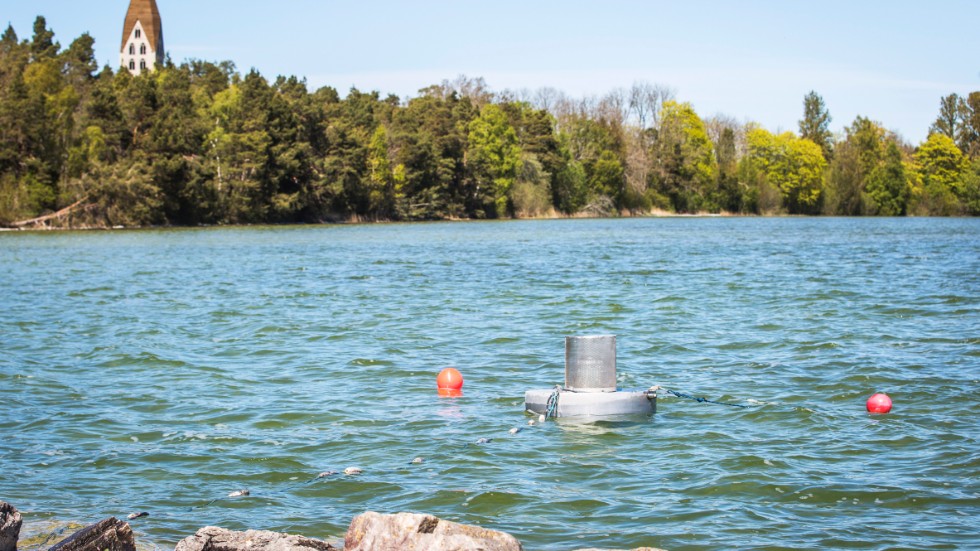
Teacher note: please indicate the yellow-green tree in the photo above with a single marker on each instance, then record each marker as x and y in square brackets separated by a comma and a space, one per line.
[493, 157]
[386, 182]
[940, 168]
[684, 159]
[793, 165]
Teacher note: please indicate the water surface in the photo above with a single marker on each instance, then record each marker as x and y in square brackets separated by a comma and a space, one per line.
[160, 370]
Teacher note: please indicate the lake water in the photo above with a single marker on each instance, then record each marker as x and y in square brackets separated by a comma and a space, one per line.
[161, 370]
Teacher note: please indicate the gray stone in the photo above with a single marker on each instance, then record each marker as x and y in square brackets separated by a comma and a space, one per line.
[110, 534]
[212, 538]
[413, 532]
[10, 523]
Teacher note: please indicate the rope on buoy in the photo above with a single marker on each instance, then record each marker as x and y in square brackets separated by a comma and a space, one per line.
[702, 400]
[553, 402]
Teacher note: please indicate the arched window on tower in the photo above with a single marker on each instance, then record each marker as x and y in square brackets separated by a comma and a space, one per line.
[132, 65]
[142, 65]
[142, 49]
[138, 33]
[132, 49]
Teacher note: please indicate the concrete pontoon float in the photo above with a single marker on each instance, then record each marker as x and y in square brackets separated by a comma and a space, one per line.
[590, 384]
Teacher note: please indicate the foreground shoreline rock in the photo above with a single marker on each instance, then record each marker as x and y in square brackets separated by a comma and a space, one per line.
[10, 522]
[376, 532]
[110, 534]
[370, 531]
[212, 538]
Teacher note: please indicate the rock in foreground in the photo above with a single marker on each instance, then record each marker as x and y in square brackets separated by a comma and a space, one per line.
[110, 534]
[413, 532]
[10, 522]
[212, 538]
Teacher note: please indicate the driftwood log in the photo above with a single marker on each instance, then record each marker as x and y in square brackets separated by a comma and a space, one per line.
[376, 532]
[42, 220]
[10, 522]
[110, 534]
[212, 538]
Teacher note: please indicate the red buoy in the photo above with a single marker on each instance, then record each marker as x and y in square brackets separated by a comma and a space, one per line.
[449, 379]
[879, 403]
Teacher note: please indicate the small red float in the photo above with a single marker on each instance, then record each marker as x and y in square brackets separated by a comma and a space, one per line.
[879, 403]
[449, 379]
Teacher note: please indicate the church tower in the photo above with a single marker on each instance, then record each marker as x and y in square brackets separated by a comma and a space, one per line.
[142, 39]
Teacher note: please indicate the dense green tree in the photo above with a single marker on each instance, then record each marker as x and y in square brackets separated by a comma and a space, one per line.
[43, 46]
[857, 156]
[428, 141]
[595, 145]
[386, 182]
[492, 158]
[970, 137]
[731, 197]
[792, 165]
[948, 121]
[569, 189]
[815, 125]
[531, 194]
[970, 195]
[685, 164]
[887, 186]
[79, 64]
[941, 168]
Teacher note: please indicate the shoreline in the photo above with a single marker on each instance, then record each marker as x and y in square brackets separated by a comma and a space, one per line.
[356, 221]
[367, 531]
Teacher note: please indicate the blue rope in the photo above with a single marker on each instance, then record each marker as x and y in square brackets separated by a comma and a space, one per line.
[553, 403]
[703, 400]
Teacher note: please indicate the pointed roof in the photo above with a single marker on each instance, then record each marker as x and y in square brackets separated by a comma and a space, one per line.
[146, 12]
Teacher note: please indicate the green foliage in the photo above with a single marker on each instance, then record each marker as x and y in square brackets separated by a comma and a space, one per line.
[948, 122]
[888, 187]
[970, 194]
[856, 158]
[594, 145]
[200, 143]
[530, 193]
[970, 138]
[792, 165]
[686, 165]
[493, 157]
[569, 190]
[731, 194]
[43, 46]
[815, 125]
[941, 170]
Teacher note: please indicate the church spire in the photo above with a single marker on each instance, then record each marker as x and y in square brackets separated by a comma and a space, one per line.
[142, 39]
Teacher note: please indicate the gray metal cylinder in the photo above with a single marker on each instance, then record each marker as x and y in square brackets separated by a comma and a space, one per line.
[590, 363]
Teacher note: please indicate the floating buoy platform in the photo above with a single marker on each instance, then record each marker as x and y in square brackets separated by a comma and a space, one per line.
[590, 384]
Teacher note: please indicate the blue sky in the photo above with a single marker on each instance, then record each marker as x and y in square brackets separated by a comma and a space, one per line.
[749, 59]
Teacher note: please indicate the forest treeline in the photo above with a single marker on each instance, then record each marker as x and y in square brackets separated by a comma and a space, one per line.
[200, 143]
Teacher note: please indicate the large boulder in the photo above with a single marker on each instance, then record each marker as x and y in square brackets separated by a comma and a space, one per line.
[110, 534]
[10, 523]
[212, 538]
[412, 532]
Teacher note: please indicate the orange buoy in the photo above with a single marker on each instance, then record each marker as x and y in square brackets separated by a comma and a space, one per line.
[879, 403]
[449, 379]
